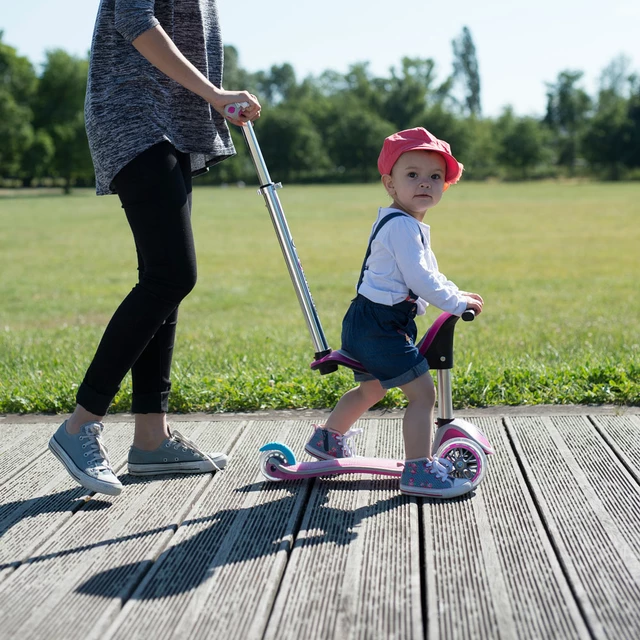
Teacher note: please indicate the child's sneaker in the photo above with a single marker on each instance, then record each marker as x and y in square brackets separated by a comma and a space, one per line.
[176, 454]
[85, 457]
[432, 479]
[326, 444]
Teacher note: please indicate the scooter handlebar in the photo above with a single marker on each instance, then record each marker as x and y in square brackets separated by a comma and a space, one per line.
[468, 315]
[233, 110]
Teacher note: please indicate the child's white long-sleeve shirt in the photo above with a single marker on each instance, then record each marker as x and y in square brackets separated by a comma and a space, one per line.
[401, 259]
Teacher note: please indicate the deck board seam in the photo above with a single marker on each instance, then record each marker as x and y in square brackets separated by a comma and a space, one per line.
[309, 485]
[422, 562]
[615, 448]
[549, 528]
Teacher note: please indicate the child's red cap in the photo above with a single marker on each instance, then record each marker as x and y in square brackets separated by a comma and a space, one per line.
[418, 139]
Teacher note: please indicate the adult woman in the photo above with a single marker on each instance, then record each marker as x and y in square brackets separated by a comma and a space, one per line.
[154, 118]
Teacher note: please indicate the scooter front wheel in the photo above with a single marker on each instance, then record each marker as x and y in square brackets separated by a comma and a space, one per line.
[468, 459]
[269, 462]
[272, 456]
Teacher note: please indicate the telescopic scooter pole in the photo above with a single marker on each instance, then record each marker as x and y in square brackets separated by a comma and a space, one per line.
[268, 191]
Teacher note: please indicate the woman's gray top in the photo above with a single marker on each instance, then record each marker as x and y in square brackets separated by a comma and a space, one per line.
[130, 105]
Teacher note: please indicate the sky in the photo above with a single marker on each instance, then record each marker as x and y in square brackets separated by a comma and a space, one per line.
[520, 45]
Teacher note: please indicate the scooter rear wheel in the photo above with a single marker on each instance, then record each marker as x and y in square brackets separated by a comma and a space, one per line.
[468, 459]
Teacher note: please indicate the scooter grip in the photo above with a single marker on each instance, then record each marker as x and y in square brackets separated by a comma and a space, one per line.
[233, 110]
[468, 315]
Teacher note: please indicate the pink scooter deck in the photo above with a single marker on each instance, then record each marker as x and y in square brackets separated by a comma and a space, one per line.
[376, 466]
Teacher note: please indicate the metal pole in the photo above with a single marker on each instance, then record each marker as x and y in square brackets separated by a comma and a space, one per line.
[445, 403]
[300, 285]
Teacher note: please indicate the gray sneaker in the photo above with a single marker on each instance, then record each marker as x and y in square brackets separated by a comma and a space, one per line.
[85, 457]
[176, 454]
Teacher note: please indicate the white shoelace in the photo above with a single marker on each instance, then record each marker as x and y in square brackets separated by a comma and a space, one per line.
[178, 441]
[442, 468]
[98, 454]
[346, 441]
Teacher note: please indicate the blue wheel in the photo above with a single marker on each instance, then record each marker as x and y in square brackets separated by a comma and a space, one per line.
[275, 454]
[289, 456]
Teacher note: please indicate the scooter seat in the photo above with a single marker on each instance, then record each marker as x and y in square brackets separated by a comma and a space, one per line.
[338, 357]
[345, 359]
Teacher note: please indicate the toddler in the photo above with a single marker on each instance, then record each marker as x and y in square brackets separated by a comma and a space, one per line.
[399, 278]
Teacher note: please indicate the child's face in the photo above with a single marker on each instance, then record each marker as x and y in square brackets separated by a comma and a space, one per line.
[416, 182]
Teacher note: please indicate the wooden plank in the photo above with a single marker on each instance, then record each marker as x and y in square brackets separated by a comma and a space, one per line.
[76, 582]
[24, 443]
[22, 446]
[490, 570]
[223, 567]
[38, 500]
[354, 570]
[622, 434]
[591, 509]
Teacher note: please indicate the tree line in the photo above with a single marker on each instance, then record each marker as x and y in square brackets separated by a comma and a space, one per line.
[330, 127]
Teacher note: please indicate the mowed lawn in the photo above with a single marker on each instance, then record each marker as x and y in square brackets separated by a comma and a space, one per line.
[557, 264]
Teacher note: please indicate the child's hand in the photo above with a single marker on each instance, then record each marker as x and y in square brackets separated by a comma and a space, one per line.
[474, 301]
[475, 296]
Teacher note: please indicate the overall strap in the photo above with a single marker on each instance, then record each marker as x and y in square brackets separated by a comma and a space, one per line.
[381, 224]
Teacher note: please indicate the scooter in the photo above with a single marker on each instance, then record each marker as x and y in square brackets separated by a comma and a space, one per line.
[459, 441]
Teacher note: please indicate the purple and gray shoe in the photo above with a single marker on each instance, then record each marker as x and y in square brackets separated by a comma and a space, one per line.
[326, 444]
[432, 479]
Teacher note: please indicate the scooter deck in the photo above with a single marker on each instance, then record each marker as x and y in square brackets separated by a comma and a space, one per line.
[337, 466]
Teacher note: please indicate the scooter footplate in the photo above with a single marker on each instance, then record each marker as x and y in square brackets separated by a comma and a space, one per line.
[337, 466]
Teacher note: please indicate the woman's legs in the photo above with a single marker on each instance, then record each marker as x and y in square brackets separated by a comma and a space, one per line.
[155, 190]
[151, 372]
[417, 425]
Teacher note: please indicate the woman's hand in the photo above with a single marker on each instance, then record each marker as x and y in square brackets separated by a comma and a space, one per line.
[222, 98]
[156, 46]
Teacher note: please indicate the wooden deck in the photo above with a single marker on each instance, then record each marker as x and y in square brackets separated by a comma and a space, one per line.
[547, 547]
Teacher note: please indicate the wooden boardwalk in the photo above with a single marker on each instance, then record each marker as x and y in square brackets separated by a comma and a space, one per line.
[547, 547]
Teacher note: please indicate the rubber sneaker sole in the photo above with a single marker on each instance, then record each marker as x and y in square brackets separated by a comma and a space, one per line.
[317, 453]
[199, 466]
[423, 492]
[92, 484]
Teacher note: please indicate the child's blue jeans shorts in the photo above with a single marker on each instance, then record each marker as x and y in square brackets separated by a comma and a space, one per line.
[383, 340]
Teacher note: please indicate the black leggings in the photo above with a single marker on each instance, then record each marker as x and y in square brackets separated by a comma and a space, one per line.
[155, 191]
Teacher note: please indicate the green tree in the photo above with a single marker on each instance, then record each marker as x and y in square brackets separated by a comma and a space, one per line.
[467, 72]
[59, 111]
[37, 158]
[632, 156]
[292, 147]
[607, 138]
[16, 134]
[354, 138]
[611, 140]
[617, 80]
[522, 145]
[276, 85]
[478, 149]
[18, 82]
[409, 91]
[568, 108]
[235, 78]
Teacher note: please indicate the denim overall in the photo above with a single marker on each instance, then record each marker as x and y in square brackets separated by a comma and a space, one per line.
[382, 337]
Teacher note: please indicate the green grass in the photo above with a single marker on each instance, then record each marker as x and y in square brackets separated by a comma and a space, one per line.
[557, 264]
